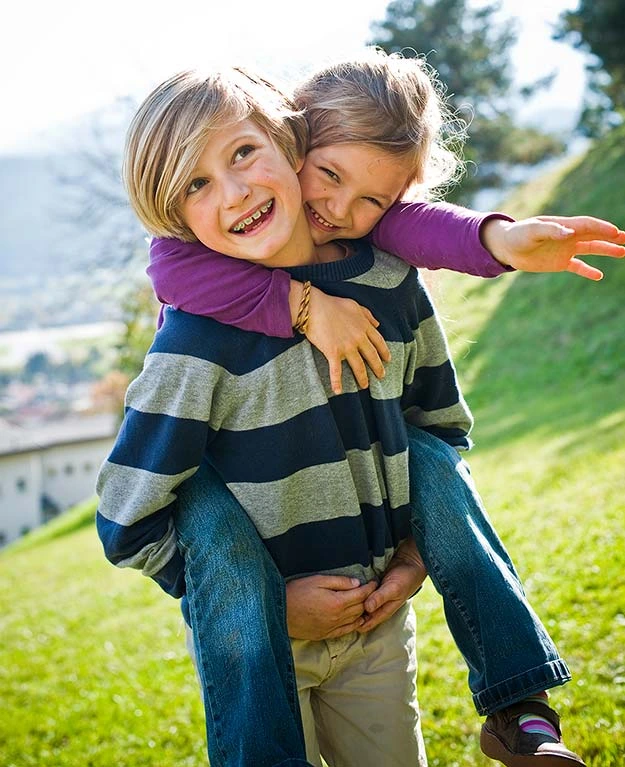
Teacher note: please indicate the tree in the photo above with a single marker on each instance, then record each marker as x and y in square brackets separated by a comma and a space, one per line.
[598, 27]
[470, 50]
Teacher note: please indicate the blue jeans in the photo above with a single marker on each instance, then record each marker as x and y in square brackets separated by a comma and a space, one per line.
[236, 606]
[508, 651]
[237, 600]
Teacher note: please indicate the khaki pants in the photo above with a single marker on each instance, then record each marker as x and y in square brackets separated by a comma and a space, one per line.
[359, 699]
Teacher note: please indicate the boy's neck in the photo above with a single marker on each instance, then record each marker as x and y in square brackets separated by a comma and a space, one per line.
[302, 251]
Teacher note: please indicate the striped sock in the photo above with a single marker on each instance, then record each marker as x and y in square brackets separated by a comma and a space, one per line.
[532, 723]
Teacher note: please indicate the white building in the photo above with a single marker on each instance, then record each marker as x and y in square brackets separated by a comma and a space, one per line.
[47, 469]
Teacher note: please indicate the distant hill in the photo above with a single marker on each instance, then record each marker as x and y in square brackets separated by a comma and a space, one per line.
[56, 266]
[30, 230]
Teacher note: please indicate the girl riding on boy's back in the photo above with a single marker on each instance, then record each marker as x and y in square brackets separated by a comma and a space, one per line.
[349, 180]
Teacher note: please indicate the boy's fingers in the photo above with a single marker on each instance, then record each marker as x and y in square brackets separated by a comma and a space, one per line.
[346, 629]
[358, 596]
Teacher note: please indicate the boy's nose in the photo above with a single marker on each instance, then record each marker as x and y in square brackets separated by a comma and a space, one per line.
[235, 191]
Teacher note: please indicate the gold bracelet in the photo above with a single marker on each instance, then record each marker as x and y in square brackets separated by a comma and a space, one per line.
[303, 313]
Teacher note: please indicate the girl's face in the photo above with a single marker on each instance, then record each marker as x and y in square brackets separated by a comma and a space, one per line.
[243, 198]
[346, 189]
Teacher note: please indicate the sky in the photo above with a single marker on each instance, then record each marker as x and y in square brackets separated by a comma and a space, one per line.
[62, 59]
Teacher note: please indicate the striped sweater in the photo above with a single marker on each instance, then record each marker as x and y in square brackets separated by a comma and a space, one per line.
[323, 477]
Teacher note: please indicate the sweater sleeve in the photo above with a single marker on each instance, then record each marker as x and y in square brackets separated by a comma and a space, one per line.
[160, 444]
[189, 276]
[438, 236]
[432, 398]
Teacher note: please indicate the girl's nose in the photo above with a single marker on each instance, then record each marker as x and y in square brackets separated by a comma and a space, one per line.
[339, 206]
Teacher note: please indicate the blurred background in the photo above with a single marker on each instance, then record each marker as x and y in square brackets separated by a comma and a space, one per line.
[542, 86]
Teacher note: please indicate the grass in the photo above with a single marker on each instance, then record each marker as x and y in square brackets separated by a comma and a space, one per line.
[92, 663]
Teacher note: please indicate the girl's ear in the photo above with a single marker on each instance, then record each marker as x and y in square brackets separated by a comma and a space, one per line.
[299, 163]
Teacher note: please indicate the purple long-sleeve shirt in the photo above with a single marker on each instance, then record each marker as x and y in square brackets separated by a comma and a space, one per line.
[189, 276]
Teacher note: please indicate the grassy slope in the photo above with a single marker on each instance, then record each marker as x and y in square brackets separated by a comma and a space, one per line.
[92, 664]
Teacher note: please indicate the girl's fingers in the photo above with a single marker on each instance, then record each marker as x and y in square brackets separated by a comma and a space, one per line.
[356, 363]
[599, 248]
[380, 344]
[336, 374]
[584, 270]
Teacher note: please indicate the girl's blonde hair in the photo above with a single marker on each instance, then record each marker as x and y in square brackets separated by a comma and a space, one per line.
[391, 102]
[169, 132]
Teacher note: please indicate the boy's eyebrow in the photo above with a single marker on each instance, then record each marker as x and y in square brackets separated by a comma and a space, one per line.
[250, 138]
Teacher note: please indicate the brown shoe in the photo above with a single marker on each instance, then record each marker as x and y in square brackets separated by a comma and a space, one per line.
[504, 740]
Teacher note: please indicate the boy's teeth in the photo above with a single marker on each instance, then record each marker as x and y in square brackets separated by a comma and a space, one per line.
[254, 217]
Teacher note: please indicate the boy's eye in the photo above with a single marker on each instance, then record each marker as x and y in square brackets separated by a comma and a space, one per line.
[242, 152]
[196, 185]
[330, 173]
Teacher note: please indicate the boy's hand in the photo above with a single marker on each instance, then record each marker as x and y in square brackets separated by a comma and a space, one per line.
[325, 606]
[404, 575]
[344, 330]
[552, 243]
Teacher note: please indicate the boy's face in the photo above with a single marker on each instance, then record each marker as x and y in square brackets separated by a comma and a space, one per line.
[346, 189]
[243, 198]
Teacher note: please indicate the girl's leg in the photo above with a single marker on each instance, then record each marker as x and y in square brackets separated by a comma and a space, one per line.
[507, 649]
[237, 608]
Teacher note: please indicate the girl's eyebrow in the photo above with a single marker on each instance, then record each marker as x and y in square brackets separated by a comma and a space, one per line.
[383, 198]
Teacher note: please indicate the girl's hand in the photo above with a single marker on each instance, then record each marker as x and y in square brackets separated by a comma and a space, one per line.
[403, 577]
[325, 606]
[552, 243]
[344, 330]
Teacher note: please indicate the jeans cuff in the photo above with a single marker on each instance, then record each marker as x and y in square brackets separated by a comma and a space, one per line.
[551, 674]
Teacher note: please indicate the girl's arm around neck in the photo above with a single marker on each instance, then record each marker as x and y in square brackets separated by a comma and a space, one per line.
[438, 236]
[189, 276]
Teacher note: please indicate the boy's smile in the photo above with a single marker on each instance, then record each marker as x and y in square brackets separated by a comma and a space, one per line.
[347, 188]
[243, 198]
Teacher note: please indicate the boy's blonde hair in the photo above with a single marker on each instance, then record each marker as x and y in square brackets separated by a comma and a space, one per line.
[171, 127]
[391, 102]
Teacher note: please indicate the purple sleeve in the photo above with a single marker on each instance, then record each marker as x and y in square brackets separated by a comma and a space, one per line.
[189, 276]
[438, 236]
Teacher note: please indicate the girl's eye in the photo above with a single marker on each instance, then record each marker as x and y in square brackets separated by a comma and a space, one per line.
[375, 202]
[243, 152]
[330, 173]
[196, 185]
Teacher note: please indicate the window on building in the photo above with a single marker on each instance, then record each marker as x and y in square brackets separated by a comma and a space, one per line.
[3, 538]
[51, 471]
[20, 484]
[69, 469]
[87, 467]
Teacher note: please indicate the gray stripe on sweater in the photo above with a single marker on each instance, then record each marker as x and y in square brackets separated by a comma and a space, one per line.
[128, 494]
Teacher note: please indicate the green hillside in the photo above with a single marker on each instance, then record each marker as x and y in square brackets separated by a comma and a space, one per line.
[93, 667]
